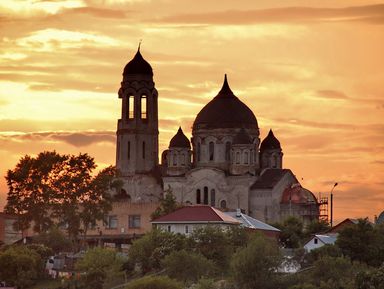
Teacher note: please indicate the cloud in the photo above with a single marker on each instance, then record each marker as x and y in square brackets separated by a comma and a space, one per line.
[369, 14]
[333, 94]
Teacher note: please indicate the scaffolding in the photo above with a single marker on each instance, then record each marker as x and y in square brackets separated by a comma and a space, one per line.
[323, 208]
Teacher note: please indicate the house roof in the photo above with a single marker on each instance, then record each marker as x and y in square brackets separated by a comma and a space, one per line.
[196, 214]
[325, 239]
[269, 179]
[249, 222]
[339, 226]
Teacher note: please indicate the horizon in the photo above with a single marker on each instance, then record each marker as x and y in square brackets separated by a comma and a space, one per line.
[311, 71]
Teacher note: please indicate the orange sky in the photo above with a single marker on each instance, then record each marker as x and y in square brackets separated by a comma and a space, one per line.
[311, 70]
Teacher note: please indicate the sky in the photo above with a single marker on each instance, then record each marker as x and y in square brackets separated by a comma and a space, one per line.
[313, 71]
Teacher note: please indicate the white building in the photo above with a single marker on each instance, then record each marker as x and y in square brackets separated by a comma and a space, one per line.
[224, 165]
[319, 241]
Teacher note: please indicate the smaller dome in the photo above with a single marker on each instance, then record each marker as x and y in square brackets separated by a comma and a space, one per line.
[180, 140]
[270, 142]
[242, 137]
[138, 65]
[296, 194]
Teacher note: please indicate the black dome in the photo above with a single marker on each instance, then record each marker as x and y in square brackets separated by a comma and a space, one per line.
[225, 111]
[180, 140]
[242, 137]
[270, 142]
[138, 65]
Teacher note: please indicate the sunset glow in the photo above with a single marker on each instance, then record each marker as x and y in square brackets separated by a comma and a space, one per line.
[310, 70]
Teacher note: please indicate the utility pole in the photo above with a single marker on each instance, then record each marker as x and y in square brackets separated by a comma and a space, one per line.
[332, 203]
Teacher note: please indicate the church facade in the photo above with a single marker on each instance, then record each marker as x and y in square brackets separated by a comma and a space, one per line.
[224, 164]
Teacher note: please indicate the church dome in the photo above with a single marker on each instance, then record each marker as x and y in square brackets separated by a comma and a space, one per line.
[180, 140]
[380, 219]
[270, 142]
[138, 65]
[296, 194]
[225, 110]
[242, 137]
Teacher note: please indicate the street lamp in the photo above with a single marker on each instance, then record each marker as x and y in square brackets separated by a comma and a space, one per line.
[332, 203]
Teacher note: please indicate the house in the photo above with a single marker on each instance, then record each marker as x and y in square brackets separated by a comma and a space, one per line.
[342, 225]
[187, 219]
[8, 234]
[319, 241]
[254, 224]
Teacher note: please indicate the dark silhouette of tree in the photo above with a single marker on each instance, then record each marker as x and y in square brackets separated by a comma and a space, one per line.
[53, 189]
[167, 205]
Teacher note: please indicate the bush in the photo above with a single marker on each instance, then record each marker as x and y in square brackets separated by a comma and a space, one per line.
[157, 282]
[187, 266]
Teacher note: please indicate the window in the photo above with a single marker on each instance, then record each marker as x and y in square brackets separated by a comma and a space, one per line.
[211, 151]
[251, 155]
[174, 156]
[186, 230]
[110, 222]
[143, 106]
[198, 198]
[183, 157]
[227, 150]
[143, 149]
[205, 195]
[213, 197]
[223, 204]
[198, 151]
[131, 106]
[169, 228]
[129, 150]
[237, 157]
[315, 241]
[246, 158]
[134, 221]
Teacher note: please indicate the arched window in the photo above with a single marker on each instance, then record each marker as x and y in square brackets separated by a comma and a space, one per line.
[183, 157]
[251, 155]
[227, 151]
[198, 198]
[237, 157]
[223, 204]
[143, 149]
[129, 150]
[131, 107]
[143, 106]
[198, 151]
[211, 151]
[205, 195]
[246, 158]
[174, 157]
[213, 198]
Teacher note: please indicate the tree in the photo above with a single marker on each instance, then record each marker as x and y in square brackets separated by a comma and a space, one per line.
[167, 205]
[53, 189]
[255, 265]
[291, 232]
[100, 265]
[187, 266]
[151, 249]
[363, 242]
[316, 227]
[371, 279]
[55, 239]
[19, 266]
[154, 282]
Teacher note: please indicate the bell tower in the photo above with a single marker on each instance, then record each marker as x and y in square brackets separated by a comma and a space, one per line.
[137, 129]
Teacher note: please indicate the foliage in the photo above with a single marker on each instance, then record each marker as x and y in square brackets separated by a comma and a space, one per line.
[316, 227]
[157, 282]
[326, 250]
[149, 250]
[167, 205]
[55, 239]
[214, 244]
[100, 265]
[255, 265]
[363, 242]
[205, 283]
[53, 189]
[291, 234]
[187, 266]
[19, 266]
[371, 279]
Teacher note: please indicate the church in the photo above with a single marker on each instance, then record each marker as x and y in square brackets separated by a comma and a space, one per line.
[224, 165]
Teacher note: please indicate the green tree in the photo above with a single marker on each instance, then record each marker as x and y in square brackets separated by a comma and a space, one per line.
[291, 234]
[55, 239]
[371, 279]
[187, 266]
[316, 227]
[53, 189]
[167, 205]
[214, 244]
[151, 249]
[363, 242]
[19, 266]
[154, 282]
[255, 265]
[100, 265]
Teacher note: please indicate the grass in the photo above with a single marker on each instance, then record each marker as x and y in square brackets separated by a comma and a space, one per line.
[46, 284]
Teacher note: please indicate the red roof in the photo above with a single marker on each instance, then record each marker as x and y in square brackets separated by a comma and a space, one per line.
[196, 213]
[296, 194]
